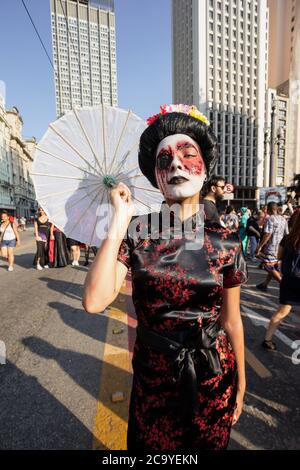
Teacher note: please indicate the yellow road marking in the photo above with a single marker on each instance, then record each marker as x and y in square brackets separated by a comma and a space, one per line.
[256, 365]
[110, 428]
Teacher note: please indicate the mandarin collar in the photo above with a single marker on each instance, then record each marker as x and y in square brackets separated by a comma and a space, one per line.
[195, 220]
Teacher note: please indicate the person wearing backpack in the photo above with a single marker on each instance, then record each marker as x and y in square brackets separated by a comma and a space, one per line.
[289, 257]
[9, 239]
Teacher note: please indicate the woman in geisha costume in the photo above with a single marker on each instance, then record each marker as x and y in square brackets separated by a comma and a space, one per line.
[188, 361]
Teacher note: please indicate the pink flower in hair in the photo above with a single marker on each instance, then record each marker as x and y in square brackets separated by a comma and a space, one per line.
[179, 108]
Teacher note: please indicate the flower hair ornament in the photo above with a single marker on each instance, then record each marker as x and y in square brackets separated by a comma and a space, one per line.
[179, 108]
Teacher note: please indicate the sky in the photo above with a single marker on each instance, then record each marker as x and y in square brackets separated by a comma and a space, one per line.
[143, 30]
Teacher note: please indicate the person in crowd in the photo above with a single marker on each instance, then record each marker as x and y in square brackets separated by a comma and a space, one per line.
[261, 222]
[243, 229]
[289, 292]
[287, 208]
[253, 233]
[279, 209]
[184, 394]
[212, 192]
[74, 247]
[293, 217]
[23, 224]
[9, 239]
[59, 256]
[88, 249]
[231, 219]
[222, 214]
[42, 234]
[274, 230]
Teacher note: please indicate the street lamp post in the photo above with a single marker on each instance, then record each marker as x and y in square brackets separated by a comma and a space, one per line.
[273, 138]
[272, 163]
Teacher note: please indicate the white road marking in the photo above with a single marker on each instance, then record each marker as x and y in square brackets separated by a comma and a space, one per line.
[243, 441]
[260, 320]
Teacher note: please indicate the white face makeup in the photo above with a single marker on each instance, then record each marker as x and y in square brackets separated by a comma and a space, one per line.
[179, 169]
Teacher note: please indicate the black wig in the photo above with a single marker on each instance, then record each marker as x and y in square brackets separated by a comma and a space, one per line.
[176, 123]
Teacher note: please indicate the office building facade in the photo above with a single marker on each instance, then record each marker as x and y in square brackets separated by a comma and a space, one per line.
[284, 75]
[220, 59]
[84, 53]
[17, 194]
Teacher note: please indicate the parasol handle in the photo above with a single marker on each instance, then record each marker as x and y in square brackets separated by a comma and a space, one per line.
[110, 181]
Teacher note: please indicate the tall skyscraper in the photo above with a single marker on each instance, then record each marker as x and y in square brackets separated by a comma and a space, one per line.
[284, 75]
[220, 61]
[84, 53]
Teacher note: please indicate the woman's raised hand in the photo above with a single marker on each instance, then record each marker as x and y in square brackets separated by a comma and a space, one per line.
[120, 197]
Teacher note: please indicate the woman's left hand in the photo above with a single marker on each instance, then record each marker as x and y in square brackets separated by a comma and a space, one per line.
[238, 406]
[18, 243]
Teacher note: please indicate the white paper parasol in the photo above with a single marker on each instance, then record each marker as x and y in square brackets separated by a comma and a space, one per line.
[81, 156]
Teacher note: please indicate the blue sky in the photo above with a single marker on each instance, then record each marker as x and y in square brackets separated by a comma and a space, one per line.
[143, 58]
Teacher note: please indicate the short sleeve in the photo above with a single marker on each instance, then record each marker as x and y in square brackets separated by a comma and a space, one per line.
[235, 273]
[124, 254]
[268, 228]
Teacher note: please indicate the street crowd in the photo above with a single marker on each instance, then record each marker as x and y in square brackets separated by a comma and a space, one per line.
[270, 238]
[53, 248]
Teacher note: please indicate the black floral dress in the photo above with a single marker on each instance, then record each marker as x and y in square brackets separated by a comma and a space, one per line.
[185, 375]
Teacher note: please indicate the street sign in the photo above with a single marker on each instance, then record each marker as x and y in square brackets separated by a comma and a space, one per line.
[228, 196]
[229, 188]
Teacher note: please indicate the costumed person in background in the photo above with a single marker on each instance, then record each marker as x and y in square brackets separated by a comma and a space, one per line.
[188, 361]
[9, 239]
[41, 233]
[59, 256]
[243, 229]
[289, 258]
[74, 247]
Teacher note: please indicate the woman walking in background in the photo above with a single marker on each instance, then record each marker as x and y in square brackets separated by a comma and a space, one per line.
[41, 233]
[9, 239]
[289, 256]
[58, 249]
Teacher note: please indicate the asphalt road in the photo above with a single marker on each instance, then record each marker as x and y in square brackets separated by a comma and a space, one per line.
[51, 382]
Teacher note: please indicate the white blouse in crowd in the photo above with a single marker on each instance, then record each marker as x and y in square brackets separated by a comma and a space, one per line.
[9, 234]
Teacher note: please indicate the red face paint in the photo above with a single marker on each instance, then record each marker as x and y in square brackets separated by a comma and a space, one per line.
[188, 155]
